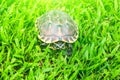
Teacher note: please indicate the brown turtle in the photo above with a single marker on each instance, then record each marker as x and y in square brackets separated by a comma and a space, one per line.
[57, 28]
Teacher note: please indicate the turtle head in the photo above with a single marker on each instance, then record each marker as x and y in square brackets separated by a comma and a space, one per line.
[59, 45]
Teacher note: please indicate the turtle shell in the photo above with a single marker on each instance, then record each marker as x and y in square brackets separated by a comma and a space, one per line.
[56, 26]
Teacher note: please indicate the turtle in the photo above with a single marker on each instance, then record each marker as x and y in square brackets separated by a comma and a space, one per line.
[58, 29]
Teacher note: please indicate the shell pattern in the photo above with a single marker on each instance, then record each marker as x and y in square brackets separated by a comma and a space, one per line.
[56, 26]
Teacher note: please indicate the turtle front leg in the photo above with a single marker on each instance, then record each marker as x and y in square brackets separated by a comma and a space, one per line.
[43, 44]
[69, 51]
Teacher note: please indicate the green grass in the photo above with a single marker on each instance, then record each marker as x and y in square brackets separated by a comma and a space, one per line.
[96, 53]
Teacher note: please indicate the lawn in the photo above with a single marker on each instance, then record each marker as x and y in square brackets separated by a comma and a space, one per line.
[96, 53]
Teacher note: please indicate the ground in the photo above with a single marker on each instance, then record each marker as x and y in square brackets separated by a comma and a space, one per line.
[96, 53]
